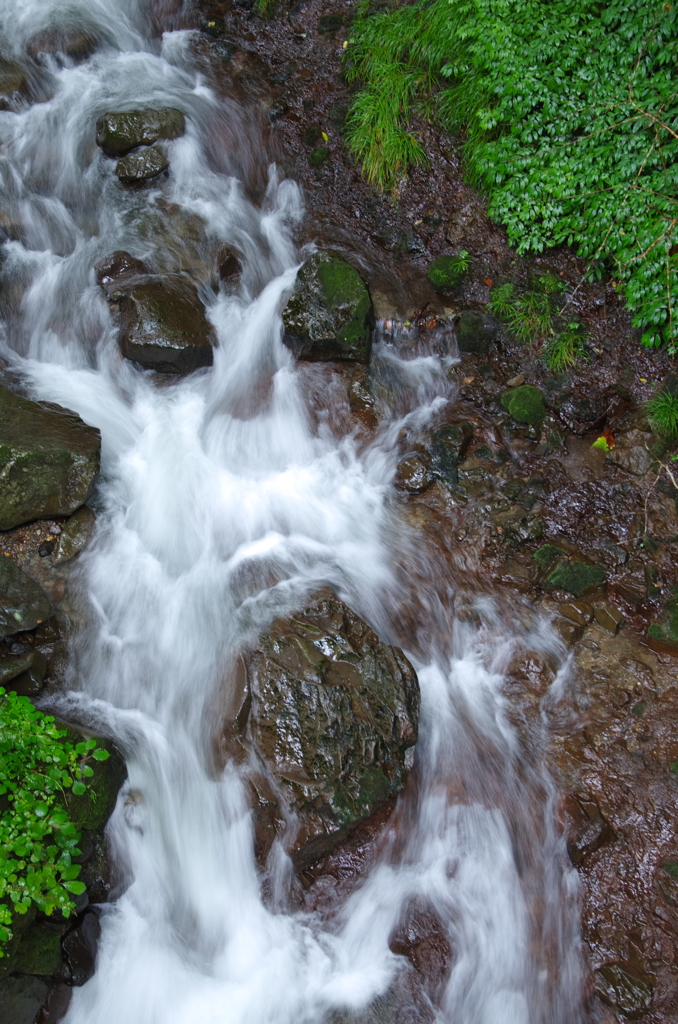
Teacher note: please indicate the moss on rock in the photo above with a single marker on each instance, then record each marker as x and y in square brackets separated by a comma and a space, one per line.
[446, 272]
[329, 315]
[577, 577]
[525, 404]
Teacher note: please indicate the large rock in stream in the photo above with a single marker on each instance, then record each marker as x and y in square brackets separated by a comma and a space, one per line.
[49, 459]
[330, 714]
[163, 325]
[120, 132]
[329, 314]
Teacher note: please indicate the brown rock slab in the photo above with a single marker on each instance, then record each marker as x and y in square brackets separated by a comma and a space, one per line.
[609, 618]
[413, 475]
[578, 611]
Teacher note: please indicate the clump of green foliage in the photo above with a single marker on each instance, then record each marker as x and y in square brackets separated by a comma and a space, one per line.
[446, 272]
[663, 413]
[38, 842]
[535, 315]
[570, 118]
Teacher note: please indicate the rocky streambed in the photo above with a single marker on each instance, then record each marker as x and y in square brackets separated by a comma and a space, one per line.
[502, 483]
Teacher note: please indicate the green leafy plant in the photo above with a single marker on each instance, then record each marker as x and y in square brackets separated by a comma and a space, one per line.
[663, 413]
[566, 349]
[38, 841]
[569, 114]
[447, 271]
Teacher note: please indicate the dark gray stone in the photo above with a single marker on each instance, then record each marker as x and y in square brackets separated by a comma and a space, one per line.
[23, 604]
[476, 333]
[142, 165]
[49, 460]
[21, 998]
[164, 327]
[119, 133]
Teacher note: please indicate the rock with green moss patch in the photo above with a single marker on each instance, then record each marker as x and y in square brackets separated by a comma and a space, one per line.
[39, 951]
[665, 630]
[546, 555]
[23, 604]
[578, 578]
[447, 272]
[49, 460]
[120, 132]
[476, 333]
[332, 715]
[525, 404]
[329, 314]
[319, 156]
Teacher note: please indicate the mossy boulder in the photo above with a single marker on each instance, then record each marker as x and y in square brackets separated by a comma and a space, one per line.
[577, 577]
[23, 604]
[525, 404]
[49, 460]
[331, 714]
[329, 314]
[164, 326]
[142, 165]
[39, 951]
[119, 133]
[446, 273]
[319, 156]
[476, 333]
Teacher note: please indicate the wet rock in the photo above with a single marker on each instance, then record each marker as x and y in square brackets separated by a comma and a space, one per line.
[39, 951]
[119, 133]
[75, 535]
[568, 631]
[21, 998]
[76, 44]
[24, 674]
[329, 314]
[80, 948]
[631, 452]
[578, 611]
[447, 449]
[665, 630]
[476, 333]
[142, 165]
[579, 578]
[117, 271]
[620, 988]
[23, 604]
[413, 475]
[13, 82]
[49, 459]
[333, 715]
[525, 404]
[330, 23]
[446, 273]
[164, 327]
[228, 264]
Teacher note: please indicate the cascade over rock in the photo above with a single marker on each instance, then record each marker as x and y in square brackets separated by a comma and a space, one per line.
[49, 459]
[330, 713]
[329, 314]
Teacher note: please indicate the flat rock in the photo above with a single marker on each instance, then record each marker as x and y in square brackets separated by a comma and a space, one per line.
[164, 327]
[49, 459]
[631, 452]
[329, 314]
[119, 133]
[142, 165]
[331, 714]
[23, 604]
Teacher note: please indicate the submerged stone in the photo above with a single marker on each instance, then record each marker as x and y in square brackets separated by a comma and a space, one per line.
[332, 715]
[49, 460]
[142, 166]
[525, 404]
[23, 604]
[118, 133]
[329, 314]
[76, 44]
[25, 674]
[13, 82]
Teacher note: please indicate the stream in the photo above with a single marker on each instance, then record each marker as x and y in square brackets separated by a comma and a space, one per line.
[222, 505]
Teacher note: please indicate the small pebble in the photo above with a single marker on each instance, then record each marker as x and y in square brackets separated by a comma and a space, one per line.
[46, 548]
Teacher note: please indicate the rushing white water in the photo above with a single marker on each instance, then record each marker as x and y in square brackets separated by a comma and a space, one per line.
[223, 503]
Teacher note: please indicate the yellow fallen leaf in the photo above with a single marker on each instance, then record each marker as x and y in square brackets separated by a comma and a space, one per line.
[325, 137]
[344, 44]
[643, 380]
